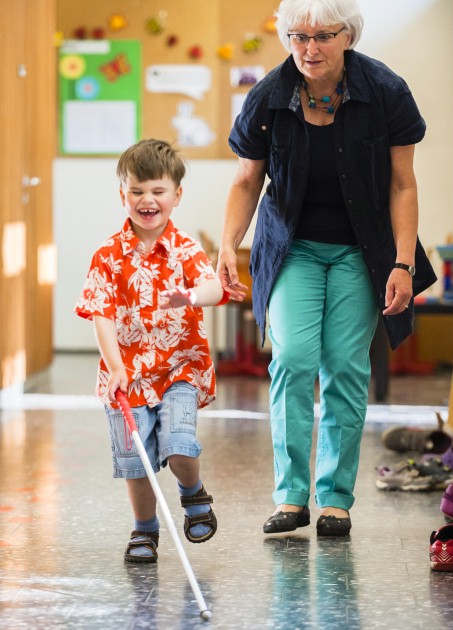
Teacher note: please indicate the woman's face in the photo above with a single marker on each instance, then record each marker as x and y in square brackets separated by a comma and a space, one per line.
[321, 58]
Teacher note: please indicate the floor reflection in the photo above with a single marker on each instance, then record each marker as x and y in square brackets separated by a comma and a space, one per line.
[64, 524]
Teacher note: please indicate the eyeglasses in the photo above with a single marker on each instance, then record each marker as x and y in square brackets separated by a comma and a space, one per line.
[321, 38]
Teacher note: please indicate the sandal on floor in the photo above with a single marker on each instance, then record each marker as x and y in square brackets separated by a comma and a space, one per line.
[149, 540]
[199, 498]
[333, 526]
[287, 521]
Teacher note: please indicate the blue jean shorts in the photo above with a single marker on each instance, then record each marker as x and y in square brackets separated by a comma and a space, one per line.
[166, 429]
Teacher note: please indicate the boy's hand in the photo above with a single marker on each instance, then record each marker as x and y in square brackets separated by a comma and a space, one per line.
[117, 380]
[178, 297]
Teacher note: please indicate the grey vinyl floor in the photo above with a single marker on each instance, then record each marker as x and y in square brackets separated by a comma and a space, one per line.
[64, 524]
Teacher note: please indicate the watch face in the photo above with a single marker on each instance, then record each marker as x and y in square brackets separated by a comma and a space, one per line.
[409, 268]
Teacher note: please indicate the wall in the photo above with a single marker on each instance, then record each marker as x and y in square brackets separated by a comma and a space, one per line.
[206, 24]
[412, 36]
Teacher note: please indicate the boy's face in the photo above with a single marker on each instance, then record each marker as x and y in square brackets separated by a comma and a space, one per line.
[149, 204]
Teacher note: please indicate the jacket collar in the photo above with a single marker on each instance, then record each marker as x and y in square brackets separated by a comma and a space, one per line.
[288, 77]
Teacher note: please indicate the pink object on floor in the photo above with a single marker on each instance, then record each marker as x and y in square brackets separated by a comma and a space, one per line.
[446, 504]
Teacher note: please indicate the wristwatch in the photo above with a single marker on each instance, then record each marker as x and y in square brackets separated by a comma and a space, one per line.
[409, 268]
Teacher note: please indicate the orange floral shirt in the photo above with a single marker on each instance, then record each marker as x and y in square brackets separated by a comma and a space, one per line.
[158, 347]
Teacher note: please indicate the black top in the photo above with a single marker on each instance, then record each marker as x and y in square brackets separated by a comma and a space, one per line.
[324, 217]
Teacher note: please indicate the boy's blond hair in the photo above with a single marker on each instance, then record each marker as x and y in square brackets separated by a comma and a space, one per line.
[151, 159]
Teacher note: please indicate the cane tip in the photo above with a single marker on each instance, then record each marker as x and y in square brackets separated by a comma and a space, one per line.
[206, 615]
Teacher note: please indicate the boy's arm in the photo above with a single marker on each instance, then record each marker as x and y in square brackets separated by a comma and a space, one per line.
[110, 351]
[207, 293]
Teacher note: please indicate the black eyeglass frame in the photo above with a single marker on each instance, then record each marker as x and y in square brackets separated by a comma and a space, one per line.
[289, 35]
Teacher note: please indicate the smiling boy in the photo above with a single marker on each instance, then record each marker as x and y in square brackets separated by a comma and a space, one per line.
[144, 291]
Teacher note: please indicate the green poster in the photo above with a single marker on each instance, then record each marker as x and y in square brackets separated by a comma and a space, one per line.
[100, 96]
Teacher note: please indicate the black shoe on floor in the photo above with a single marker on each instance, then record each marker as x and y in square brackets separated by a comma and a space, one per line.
[333, 526]
[287, 521]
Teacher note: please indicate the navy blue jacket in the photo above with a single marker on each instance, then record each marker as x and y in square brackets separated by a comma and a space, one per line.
[378, 112]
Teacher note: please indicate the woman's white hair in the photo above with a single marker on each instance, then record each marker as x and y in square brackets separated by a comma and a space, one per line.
[290, 13]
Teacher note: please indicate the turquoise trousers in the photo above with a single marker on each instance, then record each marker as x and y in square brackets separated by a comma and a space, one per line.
[323, 314]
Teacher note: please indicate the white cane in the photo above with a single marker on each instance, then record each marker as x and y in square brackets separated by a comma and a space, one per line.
[124, 406]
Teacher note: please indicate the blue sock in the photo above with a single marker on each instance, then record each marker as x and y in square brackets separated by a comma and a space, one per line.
[197, 531]
[151, 526]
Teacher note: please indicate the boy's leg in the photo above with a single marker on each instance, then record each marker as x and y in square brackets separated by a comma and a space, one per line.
[145, 536]
[178, 444]
[185, 469]
[142, 498]
[128, 465]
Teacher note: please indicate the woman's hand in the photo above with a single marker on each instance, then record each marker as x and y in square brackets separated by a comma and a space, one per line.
[398, 292]
[228, 274]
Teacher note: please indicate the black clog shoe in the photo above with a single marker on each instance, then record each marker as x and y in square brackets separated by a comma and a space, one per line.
[333, 526]
[287, 521]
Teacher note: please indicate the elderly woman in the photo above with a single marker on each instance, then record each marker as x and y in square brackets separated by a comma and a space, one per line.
[335, 243]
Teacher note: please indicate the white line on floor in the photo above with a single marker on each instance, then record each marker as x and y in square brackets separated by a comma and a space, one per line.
[382, 414]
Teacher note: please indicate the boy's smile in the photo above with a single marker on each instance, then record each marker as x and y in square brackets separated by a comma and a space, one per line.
[149, 205]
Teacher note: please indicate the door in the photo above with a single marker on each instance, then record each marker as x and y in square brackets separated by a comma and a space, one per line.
[27, 129]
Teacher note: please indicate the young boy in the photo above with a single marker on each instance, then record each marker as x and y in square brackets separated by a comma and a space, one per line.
[144, 291]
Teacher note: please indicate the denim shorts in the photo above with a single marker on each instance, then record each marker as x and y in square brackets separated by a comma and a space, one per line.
[166, 429]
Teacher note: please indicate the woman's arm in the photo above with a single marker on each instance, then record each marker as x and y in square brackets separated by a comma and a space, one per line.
[107, 340]
[404, 218]
[240, 207]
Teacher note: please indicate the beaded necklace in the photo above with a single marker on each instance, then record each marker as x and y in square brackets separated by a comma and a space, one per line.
[329, 109]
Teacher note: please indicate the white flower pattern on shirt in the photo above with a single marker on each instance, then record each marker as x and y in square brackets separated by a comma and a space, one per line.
[158, 347]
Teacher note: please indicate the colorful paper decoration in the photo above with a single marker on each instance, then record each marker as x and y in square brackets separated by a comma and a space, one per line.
[58, 38]
[80, 33]
[226, 51]
[193, 131]
[252, 43]
[117, 22]
[72, 66]
[115, 68]
[154, 25]
[195, 52]
[172, 40]
[119, 99]
[87, 88]
[98, 33]
[268, 25]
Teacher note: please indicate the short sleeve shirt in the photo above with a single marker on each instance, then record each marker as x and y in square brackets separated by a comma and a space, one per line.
[378, 112]
[158, 347]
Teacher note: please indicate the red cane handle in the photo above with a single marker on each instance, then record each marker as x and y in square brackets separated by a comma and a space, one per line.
[125, 408]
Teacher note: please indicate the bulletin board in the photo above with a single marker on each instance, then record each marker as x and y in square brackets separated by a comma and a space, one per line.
[191, 39]
[100, 96]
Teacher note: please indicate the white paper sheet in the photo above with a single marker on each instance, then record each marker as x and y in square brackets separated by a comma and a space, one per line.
[99, 127]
